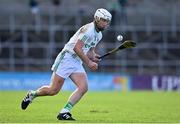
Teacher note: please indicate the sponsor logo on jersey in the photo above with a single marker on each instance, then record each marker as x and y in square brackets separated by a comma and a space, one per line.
[92, 44]
[87, 46]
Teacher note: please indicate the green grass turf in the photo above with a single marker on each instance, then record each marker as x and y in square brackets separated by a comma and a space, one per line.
[96, 107]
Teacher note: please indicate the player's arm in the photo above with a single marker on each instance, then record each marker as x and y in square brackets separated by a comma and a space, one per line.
[79, 51]
[93, 55]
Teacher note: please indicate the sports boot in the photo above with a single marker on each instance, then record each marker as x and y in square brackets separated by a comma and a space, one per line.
[27, 100]
[65, 116]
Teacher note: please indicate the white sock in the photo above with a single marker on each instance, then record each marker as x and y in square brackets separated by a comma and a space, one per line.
[64, 110]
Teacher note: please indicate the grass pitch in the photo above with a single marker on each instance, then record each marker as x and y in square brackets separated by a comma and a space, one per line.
[95, 107]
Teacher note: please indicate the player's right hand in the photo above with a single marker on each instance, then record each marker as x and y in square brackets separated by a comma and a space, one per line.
[92, 65]
[96, 58]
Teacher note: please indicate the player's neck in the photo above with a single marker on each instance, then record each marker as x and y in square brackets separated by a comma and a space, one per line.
[96, 27]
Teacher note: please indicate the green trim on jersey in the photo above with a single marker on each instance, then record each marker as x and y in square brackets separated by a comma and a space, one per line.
[84, 38]
[60, 59]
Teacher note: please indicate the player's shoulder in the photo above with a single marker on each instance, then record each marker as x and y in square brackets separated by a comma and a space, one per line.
[87, 28]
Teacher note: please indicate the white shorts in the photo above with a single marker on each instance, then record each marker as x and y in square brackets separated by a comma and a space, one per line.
[66, 64]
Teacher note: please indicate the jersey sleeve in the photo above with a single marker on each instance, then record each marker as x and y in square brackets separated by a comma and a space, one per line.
[84, 34]
[83, 37]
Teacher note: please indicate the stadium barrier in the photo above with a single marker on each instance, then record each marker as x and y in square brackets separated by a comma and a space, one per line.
[97, 81]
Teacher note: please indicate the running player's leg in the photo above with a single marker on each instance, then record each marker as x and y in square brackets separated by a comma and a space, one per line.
[52, 89]
[80, 80]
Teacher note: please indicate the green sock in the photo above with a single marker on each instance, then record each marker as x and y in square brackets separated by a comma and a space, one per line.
[34, 93]
[68, 106]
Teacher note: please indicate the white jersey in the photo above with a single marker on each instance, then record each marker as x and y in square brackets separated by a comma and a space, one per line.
[67, 61]
[88, 35]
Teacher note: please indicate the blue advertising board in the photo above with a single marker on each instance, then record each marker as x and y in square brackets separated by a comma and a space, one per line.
[96, 81]
[28, 81]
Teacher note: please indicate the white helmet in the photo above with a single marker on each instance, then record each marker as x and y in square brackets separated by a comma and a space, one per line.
[102, 13]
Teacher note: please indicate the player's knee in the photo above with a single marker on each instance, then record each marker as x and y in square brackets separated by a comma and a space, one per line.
[53, 92]
[83, 89]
